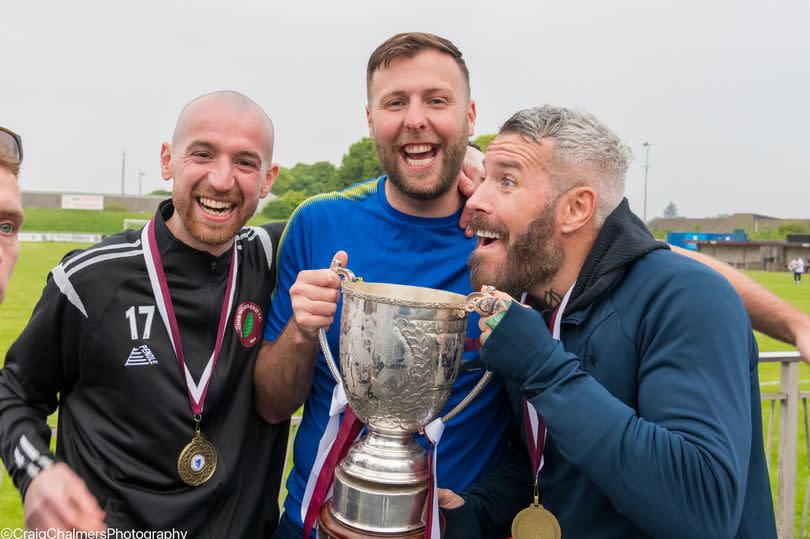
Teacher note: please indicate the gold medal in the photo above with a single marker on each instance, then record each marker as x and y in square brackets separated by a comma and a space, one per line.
[197, 461]
[535, 522]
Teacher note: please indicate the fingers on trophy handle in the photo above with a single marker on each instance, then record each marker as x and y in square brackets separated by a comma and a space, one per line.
[485, 303]
[346, 273]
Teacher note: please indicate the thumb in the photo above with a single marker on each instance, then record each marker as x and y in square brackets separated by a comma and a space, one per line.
[343, 257]
[448, 499]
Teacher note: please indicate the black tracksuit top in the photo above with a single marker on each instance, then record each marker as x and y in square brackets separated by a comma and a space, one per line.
[93, 348]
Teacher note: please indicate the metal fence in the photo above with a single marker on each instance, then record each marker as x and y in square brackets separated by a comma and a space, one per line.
[789, 398]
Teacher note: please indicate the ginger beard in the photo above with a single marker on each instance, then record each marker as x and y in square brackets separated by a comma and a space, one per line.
[533, 257]
[413, 183]
[209, 231]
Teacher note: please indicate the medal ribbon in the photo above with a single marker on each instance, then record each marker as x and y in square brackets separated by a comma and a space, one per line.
[533, 422]
[433, 433]
[160, 289]
[334, 445]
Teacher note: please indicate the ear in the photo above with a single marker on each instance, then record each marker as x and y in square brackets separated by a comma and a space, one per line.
[577, 208]
[471, 118]
[368, 121]
[269, 180]
[165, 161]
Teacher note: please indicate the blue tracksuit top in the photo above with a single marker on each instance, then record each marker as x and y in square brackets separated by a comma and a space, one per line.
[385, 245]
[651, 400]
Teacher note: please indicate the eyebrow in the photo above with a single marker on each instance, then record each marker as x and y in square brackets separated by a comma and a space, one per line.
[254, 155]
[504, 163]
[199, 144]
[196, 144]
[401, 93]
[13, 214]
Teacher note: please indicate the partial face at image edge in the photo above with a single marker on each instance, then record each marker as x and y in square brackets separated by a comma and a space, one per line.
[11, 219]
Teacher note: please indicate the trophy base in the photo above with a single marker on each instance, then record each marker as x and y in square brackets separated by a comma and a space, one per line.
[331, 528]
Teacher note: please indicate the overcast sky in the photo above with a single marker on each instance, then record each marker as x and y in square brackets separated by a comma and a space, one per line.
[721, 89]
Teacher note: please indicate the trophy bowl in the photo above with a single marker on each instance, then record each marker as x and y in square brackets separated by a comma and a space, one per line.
[400, 350]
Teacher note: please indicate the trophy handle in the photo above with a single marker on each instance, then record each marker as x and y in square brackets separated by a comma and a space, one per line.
[485, 304]
[466, 400]
[347, 275]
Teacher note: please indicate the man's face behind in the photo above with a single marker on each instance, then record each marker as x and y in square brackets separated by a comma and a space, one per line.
[11, 218]
[419, 116]
[219, 163]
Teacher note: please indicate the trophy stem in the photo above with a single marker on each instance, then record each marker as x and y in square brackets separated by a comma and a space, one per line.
[381, 485]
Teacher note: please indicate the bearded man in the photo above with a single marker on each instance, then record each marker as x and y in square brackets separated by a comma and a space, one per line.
[641, 400]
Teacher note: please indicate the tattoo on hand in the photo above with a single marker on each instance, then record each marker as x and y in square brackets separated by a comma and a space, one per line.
[489, 306]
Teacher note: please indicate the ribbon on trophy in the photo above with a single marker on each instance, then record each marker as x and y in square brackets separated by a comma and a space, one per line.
[433, 433]
[333, 446]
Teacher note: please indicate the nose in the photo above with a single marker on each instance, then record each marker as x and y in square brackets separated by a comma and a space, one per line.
[221, 177]
[481, 200]
[415, 117]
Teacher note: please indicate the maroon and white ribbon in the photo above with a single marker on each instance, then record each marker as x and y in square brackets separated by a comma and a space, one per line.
[535, 426]
[433, 433]
[336, 408]
[160, 289]
[334, 445]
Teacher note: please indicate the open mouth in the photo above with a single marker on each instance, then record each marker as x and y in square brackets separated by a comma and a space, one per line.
[215, 207]
[487, 238]
[419, 155]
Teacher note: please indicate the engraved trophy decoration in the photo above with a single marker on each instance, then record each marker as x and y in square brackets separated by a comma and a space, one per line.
[400, 351]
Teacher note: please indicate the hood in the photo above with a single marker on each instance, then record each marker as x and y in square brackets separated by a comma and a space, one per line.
[622, 239]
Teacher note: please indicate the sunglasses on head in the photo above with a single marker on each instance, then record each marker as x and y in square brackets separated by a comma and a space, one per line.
[12, 143]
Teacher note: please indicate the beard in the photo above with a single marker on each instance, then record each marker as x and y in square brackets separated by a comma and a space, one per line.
[533, 257]
[415, 185]
[207, 232]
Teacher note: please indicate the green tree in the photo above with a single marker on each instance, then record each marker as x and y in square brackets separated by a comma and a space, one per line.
[161, 193]
[792, 227]
[284, 181]
[671, 211]
[320, 177]
[484, 140]
[359, 163]
[283, 206]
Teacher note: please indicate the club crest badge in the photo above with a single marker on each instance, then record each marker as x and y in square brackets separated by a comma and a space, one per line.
[248, 323]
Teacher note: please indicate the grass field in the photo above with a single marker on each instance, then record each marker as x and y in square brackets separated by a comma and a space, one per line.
[88, 221]
[37, 259]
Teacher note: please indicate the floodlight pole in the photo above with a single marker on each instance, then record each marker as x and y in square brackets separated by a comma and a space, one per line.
[123, 169]
[646, 170]
[141, 174]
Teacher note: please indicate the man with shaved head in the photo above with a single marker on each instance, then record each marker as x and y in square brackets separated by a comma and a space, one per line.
[146, 343]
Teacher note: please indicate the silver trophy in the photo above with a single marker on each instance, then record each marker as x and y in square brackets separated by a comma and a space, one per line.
[400, 351]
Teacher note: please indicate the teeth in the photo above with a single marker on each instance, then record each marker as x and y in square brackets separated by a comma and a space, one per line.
[419, 162]
[487, 234]
[418, 148]
[215, 204]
